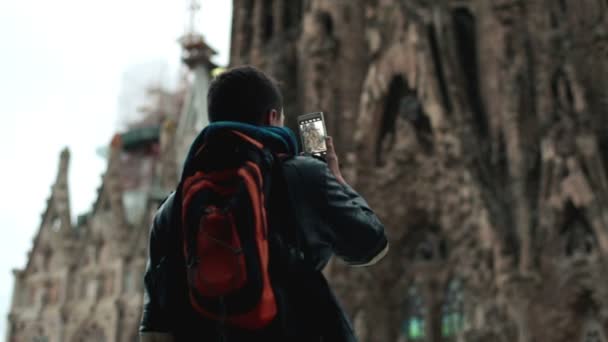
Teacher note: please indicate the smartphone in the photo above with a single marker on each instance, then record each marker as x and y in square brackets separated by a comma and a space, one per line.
[313, 133]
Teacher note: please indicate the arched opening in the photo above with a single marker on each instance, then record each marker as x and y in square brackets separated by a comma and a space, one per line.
[396, 91]
[438, 64]
[267, 21]
[424, 243]
[579, 239]
[465, 32]
[452, 310]
[326, 22]
[414, 325]
[401, 101]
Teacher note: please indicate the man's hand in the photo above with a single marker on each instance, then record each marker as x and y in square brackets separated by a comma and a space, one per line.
[332, 160]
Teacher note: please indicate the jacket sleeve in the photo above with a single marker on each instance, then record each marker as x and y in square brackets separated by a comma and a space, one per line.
[155, 319]
[357, 234]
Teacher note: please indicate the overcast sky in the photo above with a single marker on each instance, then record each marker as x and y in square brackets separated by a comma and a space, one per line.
[64, 64]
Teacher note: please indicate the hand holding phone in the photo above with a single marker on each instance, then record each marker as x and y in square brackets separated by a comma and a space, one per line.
[317, 143]
[313, 133]
[332, 160]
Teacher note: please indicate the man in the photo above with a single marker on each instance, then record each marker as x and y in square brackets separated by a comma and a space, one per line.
[329, 216]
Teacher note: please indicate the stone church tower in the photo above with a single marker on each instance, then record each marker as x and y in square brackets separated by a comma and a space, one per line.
[477, 129]
[84, 280]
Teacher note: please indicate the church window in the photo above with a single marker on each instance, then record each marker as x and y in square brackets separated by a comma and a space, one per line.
[56, 224]
[414, 324]
[452, 310]
[466, 42]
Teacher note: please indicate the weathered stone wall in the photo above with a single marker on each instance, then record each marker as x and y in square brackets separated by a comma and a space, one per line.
[84, 281]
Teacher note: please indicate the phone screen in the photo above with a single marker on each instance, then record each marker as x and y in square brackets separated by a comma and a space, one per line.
[312, 130]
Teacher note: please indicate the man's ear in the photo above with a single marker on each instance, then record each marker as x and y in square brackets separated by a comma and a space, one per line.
[272, 117]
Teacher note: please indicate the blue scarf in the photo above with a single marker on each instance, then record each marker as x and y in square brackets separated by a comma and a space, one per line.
[277, 139]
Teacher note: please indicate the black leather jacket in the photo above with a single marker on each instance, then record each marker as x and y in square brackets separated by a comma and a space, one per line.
[334, 220]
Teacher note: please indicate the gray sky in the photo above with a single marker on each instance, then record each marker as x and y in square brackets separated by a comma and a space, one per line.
[64, 64]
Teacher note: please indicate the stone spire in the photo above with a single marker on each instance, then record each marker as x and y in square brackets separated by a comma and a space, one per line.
[197, 56]
[58, 210]
[195, 49]
[112, 182]
[53, 242]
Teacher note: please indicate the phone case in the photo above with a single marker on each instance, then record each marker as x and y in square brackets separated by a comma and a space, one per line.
[312, 133]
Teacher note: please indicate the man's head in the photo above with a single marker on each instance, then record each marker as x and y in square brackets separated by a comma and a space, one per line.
[245, 94]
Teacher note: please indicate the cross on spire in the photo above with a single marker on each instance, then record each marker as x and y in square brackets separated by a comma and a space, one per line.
[195, 49]
[194, 9]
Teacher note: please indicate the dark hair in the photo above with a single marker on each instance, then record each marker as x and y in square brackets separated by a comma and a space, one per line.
[242, 94]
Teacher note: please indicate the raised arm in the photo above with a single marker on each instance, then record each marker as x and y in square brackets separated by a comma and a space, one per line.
[357, 233]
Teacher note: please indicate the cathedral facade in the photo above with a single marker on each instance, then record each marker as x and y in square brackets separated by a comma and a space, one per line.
[475, 128]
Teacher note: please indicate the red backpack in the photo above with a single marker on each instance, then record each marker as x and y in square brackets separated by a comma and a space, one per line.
[225, 231]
